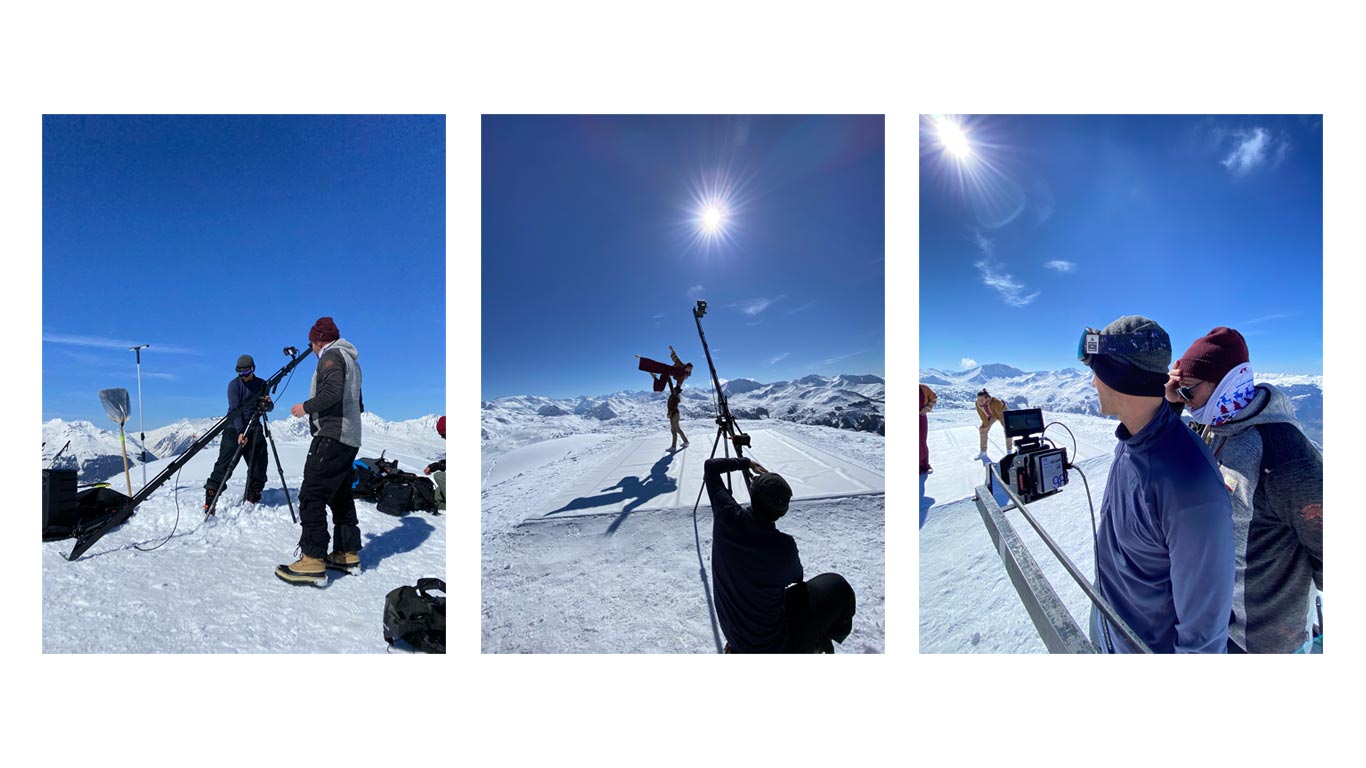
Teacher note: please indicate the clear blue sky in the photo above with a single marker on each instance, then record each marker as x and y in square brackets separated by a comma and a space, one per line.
[1055, 223]
[593, 249]
[210, 236]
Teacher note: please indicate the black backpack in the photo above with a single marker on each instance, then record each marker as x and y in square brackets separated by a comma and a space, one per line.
[67, 513]
[403, 492]
[416, 617]
[369, 476]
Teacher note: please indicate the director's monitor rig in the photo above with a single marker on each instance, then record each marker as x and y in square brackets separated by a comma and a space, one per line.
[1034, 470]
[86, 540]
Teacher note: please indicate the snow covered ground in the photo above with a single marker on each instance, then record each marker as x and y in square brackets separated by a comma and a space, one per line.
[600, 581]
[211, 588]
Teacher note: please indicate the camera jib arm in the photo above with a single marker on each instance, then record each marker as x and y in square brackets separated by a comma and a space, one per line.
[725, 421]
[86, 540]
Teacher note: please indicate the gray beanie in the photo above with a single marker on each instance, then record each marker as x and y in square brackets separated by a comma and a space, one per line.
[245, 361]
[1134, 356]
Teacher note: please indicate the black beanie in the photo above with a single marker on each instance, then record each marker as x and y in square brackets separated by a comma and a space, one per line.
[245, 361]
[1128, 380]
[769, 495]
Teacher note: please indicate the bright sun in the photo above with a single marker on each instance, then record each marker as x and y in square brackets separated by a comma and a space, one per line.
[711, 219]
[953, 139]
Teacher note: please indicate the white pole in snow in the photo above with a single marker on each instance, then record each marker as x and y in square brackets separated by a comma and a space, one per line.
[142, 426]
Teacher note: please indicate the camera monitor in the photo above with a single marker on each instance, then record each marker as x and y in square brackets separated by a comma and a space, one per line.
[1024, 422]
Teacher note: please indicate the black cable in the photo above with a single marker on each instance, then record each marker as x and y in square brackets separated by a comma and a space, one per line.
[177, 516]
[1095, 548]
[1069, 432]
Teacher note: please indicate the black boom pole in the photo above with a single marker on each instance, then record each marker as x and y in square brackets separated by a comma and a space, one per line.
[86, 540]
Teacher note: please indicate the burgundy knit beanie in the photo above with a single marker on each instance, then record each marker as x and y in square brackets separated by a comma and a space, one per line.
[1213, 355]
[324, 331]
[441, 427]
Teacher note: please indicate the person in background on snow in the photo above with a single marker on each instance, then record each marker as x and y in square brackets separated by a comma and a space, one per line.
[1165, 543]
[679, 371]
[437, 469]
[675, 431]
[1275, 477]
[333, 408]
[927, 400]
[991, 410]
[244, 386]
[761, 601]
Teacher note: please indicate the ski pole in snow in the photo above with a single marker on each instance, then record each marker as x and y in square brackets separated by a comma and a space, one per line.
[142, 427]
[52, 462]
[116, 406]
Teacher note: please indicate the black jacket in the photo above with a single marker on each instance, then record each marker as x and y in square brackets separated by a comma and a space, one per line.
[752, 565]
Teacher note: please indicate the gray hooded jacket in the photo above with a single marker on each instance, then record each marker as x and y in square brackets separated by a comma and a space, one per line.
[334, 402]
[1275, 478]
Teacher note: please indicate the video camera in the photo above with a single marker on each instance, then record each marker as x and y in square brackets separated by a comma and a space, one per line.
[1033, 470]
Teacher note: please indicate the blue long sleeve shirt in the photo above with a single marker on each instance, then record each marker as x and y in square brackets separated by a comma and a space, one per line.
[240, 391]
[752, 565]
[1165, 541]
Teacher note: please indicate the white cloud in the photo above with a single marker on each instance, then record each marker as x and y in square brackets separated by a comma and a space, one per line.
[983, 244]
[1250, 151]
[659, 316]
[105, 343]
[1061, 266]
[1012, 292]
[802, 308]
[695, 292]
[779, 358]
[967, 364]
[833, 360]
[754, 307]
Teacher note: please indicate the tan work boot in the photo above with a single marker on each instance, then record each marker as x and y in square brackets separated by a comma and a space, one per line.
[305, 570]
[344, 561]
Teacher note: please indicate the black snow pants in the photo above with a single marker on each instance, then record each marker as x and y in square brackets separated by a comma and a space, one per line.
[818, 611]
[328, 475]
[254, 453]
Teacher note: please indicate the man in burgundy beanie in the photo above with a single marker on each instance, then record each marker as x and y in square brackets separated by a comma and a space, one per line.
[333, 407]
[1274, 476]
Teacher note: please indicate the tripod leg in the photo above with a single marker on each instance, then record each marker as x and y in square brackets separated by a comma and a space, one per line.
[218, 492]
[281, 469]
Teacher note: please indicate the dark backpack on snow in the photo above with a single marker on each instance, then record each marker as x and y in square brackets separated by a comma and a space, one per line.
[416, 617]
[369, 476]
[403, 492]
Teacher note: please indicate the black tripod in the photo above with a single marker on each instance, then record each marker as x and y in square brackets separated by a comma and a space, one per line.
[258, 419]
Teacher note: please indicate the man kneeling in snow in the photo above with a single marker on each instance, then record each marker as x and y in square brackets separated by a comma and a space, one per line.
[761, 600]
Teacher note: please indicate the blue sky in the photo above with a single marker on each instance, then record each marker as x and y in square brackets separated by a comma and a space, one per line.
[209, 237]
[1055, 223]
[593, 249]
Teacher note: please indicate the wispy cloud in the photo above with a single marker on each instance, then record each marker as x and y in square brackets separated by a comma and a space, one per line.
[802, 308]
[695, 292]
[779, 358]
[659, 316]
[833, 360]
[967, 364]
[1249, 153]
[753, 307]
[107, 343]
[1252, 148]
[984, 245]
[155, 375]
[1012, 291]
[1268, 318]
[1061, 266]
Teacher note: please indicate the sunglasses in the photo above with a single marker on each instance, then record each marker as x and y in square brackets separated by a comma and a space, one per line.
[1094, 342]
[1188, 393]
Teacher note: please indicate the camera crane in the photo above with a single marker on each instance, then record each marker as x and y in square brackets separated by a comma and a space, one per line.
[726, 425]
[87, 539]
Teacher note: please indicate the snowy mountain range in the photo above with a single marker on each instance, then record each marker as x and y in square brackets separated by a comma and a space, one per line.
[97, 456]
[845, 402]
[1070, 391]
